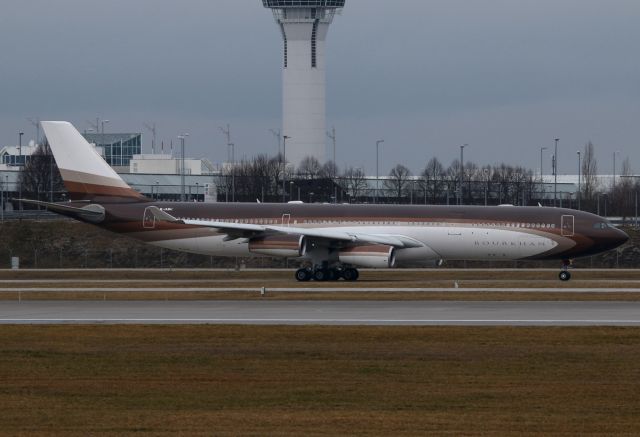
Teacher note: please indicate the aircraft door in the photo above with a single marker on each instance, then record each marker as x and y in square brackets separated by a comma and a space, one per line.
[567, 226]
[286, 219]
[148, 220]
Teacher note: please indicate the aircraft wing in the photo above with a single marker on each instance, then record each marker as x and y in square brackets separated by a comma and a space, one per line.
[328, 235]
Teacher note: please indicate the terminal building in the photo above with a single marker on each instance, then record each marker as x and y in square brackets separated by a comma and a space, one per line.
[13, 156]
[117, 149]
[157, 176]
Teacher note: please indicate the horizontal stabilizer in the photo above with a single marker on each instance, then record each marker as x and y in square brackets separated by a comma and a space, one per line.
[92, 212]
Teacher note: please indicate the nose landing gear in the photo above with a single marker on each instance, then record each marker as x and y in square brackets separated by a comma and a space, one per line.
[565, 274]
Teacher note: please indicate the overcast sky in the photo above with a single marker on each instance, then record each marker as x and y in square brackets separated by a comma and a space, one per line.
[505, 76]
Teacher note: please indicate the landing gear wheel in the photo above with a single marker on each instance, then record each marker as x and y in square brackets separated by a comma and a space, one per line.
[303, 275]
[564, 276]
[321, 275]
[334, 275]
[350, 274]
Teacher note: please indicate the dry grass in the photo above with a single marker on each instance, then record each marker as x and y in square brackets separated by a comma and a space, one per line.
[321, 296]
[234, 380]
[395, 276]
[220, 285]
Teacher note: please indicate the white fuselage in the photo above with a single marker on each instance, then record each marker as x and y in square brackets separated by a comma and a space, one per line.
[440, 241]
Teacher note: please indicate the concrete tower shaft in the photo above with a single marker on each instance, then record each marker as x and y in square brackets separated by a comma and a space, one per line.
[304, 25]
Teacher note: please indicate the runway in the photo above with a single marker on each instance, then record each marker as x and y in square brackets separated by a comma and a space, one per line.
[418, 313]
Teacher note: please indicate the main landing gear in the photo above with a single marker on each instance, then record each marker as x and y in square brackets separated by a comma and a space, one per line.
[323, 274]
[565, 274]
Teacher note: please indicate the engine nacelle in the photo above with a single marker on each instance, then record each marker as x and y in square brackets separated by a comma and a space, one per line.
[376, 256]
[289, 246]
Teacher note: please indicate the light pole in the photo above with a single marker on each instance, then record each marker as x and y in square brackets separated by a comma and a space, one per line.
[378, 168]
[614, 167]
[637, 184]
[486, 187]
[103, 122]
[157, 190]
[555, 174]
[6, 188]
[460, 202]
[21, 165]
[182, 139]
[20, 134]
[50, 174]
[284, 167]
[233, 171]
[332, 136]
[542, 149]
[579, 179]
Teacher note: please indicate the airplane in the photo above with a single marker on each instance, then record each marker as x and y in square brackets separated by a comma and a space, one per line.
[331, 240]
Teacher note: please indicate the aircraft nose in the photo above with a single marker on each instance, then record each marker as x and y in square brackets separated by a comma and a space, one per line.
[620, 238]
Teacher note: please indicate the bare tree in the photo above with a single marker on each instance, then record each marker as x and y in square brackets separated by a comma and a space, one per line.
[399, 181]
[452, 179]
[432, 179]
[309, 168]
[354, 182]
[40, 177]
[329, 170]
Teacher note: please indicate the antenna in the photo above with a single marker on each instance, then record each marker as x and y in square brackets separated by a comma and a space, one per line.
[332, 137]
[152, 128]
[227, 133]
[95, 127]
[36, 122]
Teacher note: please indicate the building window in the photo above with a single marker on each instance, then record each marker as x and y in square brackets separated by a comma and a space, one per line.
[314, 37]
[284, 38]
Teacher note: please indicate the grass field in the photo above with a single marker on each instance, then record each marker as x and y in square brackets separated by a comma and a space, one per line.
[243, 380]
[226, 284]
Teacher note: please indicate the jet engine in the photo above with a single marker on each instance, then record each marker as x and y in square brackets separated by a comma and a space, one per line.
[377, 256]
[290, 246]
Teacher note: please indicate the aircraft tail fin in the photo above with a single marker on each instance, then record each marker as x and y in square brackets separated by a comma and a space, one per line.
[85, 174]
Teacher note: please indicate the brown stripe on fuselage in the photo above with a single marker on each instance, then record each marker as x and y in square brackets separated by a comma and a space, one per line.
[128, 219]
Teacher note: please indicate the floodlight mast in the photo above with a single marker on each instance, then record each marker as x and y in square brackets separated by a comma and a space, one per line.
[304, 25]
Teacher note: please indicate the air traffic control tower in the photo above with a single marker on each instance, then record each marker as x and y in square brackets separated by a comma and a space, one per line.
[304, 25]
